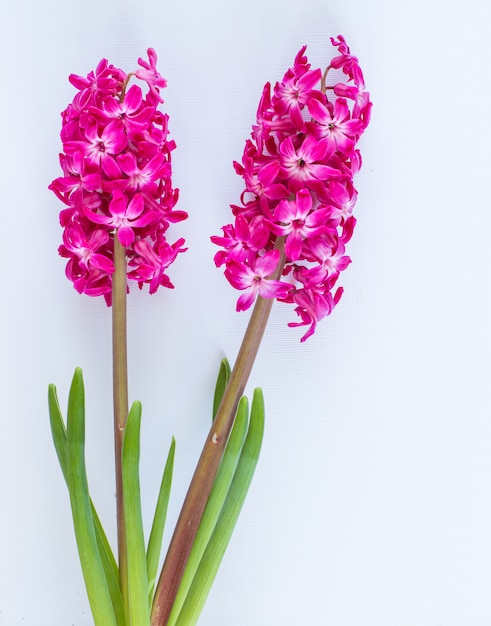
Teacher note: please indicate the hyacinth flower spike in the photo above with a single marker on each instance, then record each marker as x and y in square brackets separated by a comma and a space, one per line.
[119, 203]
[287, 243]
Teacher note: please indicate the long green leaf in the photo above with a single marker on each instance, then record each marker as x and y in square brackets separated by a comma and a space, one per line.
[139, 607]
[110, 568]
[90, 558]
[158, 525]
[214, 505]
[221, 384]
[217, 545]
[58, 431]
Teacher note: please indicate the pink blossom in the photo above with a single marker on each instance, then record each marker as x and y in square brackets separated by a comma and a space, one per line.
[82, 247]
[305, 165]
[151, 262]
[100, 147]
[312, 306]
[143, 178]
[335, 124]
[241, 241]
[130, 112]
[254, 279]
[124, 216]
[298, 168]
[116, 181]
[296, 90]
[347, 62]
[295, 219]
[150, 75]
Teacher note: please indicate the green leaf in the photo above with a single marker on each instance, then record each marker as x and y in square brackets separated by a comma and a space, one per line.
[217, 545]
[58, 429]
[110, 568]
[138, 603]
[76, 476]
[221, 385]
[214, 505]
[158, 525]
[107, 557]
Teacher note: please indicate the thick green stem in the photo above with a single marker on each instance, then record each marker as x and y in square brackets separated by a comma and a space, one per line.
[209, 461]
[120, 396]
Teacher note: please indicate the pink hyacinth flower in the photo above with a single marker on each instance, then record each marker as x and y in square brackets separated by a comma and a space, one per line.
[116, 181]
[298, 168]
[255, 280]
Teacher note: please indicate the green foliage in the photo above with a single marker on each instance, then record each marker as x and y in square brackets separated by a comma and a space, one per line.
[58, 431]
[224, 504]
[99, 566]
[224, 527]
[221, 385]
[93, 570]
[138, 605]
[158, 525]
[213, 506]
[219, 519]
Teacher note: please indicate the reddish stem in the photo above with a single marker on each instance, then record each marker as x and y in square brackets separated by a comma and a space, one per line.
[209, 462]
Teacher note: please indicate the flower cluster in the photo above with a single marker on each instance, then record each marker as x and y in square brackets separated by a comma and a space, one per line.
[116, 181]
[296, 209]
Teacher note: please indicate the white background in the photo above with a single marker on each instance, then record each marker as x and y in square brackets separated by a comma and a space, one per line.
[371, 505]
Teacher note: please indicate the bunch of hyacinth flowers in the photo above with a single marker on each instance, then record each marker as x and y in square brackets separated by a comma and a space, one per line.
[286, 242]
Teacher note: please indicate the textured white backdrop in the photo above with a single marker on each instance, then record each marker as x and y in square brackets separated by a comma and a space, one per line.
[371, 505]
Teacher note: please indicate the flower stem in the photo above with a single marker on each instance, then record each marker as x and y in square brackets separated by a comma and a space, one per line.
[120, 396]
[209, 462]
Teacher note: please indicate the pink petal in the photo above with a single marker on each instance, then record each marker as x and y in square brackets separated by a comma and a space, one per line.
[135, 207]
[126, 235]
[245, 300]
[118, 204]
[133, 98]
[266, 265]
